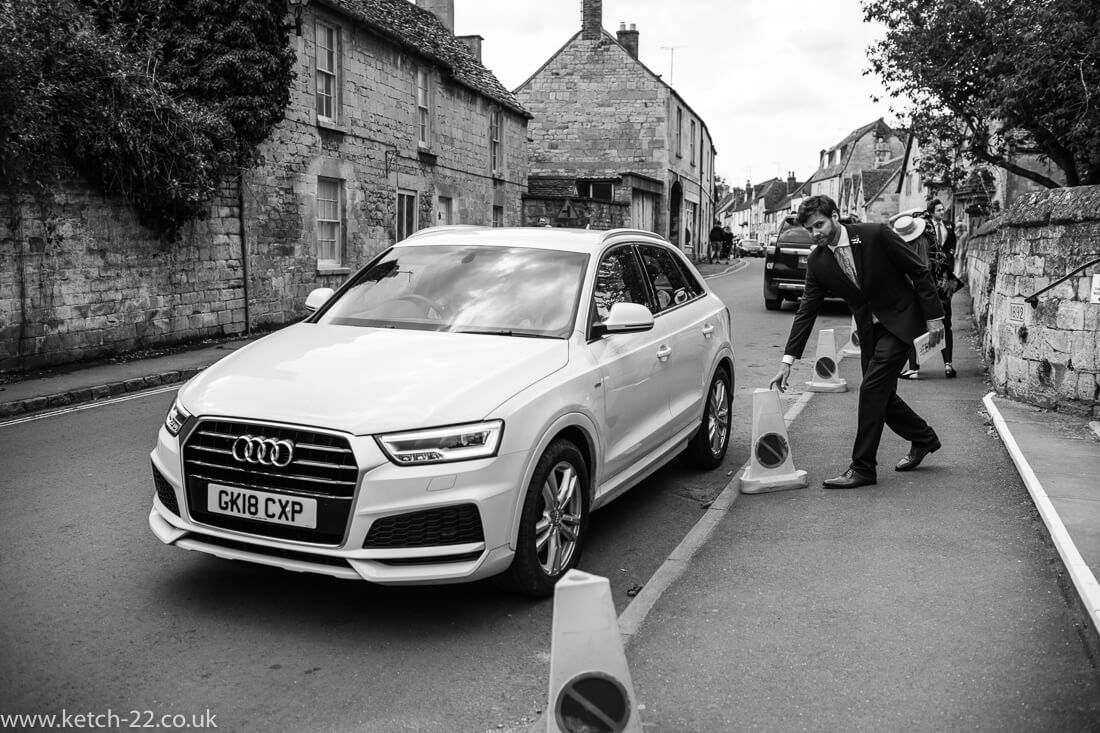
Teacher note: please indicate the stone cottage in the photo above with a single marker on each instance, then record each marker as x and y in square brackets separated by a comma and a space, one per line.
[874, 146]
[612, 144]
[394, 124]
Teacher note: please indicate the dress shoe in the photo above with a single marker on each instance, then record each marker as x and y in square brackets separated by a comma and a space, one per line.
[916, 455]
[910, 374]
[850, 479]
[949, 371]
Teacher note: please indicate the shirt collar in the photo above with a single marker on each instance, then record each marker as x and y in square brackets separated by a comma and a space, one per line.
[842, 240]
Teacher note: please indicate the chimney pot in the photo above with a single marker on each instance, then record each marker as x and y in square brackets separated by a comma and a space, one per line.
[628, 39]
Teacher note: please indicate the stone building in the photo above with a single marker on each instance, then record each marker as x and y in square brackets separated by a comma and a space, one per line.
[394, 124]
[872, 146]
[614, 145]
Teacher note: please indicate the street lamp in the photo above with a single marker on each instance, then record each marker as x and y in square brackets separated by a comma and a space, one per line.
[297, 6]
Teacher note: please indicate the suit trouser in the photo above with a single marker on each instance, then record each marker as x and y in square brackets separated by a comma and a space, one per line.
[879, 404]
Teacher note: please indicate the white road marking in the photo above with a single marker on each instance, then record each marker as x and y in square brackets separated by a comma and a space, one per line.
[90, 405]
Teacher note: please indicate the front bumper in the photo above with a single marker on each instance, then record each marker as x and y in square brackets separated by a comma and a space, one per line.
[386, 496]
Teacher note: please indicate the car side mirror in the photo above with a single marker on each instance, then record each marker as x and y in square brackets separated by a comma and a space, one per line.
[318, 298]
[625, 318]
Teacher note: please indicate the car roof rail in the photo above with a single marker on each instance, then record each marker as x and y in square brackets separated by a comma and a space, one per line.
[443, 228]
[628, 230]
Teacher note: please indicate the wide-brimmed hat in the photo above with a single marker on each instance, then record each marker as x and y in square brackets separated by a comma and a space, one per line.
[909, 228]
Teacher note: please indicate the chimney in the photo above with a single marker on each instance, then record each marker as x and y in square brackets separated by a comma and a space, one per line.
[628, 39]
[443, 9]
[474, 44]
[791, 182]
[591, 20]
[748, 190]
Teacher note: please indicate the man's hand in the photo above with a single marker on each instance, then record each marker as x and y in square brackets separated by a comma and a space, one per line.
[781, 377]
[935, 331]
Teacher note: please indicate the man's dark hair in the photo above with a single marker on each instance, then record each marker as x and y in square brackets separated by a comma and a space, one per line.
[933, 204]
[816, 205]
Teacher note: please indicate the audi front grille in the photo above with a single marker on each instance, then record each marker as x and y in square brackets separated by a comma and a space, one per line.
[323, 468]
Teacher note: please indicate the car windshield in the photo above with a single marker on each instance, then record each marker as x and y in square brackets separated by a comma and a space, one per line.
[508, 291]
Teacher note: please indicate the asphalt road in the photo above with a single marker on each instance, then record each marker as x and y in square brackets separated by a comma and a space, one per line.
[98, 615]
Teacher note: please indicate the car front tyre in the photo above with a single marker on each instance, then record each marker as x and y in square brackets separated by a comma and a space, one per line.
[707, 448]
[773, 304]
[553, 523]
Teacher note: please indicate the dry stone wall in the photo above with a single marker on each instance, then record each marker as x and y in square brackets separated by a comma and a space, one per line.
[1048, 355]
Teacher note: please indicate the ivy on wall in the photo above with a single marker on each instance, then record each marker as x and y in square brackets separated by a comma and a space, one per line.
[155, 100]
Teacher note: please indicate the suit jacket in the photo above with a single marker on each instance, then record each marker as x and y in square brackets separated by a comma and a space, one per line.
[949, 239]
[894, 284]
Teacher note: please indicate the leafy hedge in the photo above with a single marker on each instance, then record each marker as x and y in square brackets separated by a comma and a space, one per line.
[156, 100]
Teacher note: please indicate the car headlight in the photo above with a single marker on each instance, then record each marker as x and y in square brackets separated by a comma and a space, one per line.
[176, 417]
[443, 445]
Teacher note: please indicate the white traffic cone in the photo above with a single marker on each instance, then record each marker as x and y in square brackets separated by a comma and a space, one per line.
[826, 368]
[852, 347]
[770, 465]
[590, 687]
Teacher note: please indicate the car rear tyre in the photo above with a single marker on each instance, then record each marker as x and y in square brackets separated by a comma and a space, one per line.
[553, 524]
[707, 448]
[773, 304]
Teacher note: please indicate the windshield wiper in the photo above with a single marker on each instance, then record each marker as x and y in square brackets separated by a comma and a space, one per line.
[504, 332]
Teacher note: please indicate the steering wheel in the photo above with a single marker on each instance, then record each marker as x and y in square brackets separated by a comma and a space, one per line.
[430, 306]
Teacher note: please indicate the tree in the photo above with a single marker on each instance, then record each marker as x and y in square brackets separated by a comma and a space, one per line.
[156, 100]
[990, 78]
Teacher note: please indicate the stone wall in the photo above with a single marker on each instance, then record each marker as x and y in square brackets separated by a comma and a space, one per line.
[83, 279]
[1050, 355]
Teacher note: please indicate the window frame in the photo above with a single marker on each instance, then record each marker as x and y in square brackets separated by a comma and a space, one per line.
[691, 143]
[337, 260]
[498, 221]
[424, 126]
[697, 290]
[593, 319]
[398, 224]
[332, 75]
[496, 139]
[679, 132]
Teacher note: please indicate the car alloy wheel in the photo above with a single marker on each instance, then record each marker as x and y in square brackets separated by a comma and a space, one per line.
[554, 521]
[707, 448]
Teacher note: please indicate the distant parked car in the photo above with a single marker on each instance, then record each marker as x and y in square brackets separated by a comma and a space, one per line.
[454, 411]
[751, 248]
[785, 265]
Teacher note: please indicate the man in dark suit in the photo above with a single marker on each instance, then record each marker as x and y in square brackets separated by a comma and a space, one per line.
[893, 300]
[945, 242]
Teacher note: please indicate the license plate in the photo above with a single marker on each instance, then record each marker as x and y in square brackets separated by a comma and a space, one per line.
[802, 259]
[296, 511]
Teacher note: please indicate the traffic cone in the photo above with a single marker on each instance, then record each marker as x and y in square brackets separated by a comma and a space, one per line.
[826, 377]
[852, 347]
[770, 465]
[590, 687]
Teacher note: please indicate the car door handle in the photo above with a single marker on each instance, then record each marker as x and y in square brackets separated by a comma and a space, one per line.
[708, 330]
[664, 352]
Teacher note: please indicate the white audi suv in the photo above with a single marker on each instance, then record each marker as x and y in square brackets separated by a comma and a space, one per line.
[454, 411]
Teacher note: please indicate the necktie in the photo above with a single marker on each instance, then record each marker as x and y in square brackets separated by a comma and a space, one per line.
[847, 263]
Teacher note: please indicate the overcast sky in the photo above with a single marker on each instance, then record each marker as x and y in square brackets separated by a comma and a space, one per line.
[775, 81]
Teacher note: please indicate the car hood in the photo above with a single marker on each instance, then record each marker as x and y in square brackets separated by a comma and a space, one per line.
[371, 380]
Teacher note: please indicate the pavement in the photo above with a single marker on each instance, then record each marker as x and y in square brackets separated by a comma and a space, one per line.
[1056, 455]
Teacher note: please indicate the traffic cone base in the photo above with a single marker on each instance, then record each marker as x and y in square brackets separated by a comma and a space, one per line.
[771, 467]
[590, 686]
[826, 369]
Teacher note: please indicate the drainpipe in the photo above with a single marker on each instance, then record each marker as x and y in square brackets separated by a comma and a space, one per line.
[244, 248]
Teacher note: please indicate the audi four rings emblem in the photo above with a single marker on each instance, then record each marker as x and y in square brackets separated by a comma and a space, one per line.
[265, 451]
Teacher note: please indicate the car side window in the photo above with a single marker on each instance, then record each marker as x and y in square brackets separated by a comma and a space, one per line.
[618, 280]
[671, 284]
